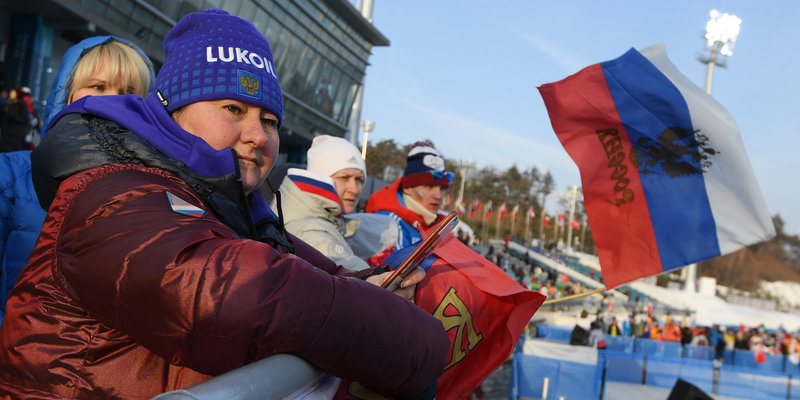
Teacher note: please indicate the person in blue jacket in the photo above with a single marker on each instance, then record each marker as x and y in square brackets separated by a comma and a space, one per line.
[100, 65]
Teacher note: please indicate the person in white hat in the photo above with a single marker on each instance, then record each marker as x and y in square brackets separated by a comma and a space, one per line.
[317, 200]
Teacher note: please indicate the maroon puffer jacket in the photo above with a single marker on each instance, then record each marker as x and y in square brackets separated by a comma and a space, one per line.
[125, 298]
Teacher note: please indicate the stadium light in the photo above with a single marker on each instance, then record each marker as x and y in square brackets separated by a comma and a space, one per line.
[366, 127]
[722, 29]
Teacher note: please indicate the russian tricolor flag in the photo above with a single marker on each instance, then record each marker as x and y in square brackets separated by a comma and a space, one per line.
[666, 179]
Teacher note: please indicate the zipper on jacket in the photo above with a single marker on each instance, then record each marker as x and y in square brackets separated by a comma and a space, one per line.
[242, 197]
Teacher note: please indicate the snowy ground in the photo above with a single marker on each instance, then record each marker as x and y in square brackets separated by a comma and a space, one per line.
[711, 310]
[708, 308]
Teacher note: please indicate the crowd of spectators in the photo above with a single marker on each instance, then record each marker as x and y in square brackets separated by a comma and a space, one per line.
[637, 318]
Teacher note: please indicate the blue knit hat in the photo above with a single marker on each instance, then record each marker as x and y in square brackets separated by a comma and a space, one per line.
[425, 166]
[212, 55]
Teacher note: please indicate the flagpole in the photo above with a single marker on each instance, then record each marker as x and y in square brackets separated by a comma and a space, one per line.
[583, 234]
[573, 193]
[527, 222]
[513, 218]
[483, 219]
[497, 226]
[555, 232]
[575, 296]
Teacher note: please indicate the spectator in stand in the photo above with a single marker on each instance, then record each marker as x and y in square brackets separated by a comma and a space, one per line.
[413, 200]
[742, 340]
[717, 341]
[596, 337]
[639, 326]
[686, 334]
[613, 327]
[627, 325]
[26, 97]
[655, 331]
[15, 124]
[610, 303]
[3, 100]
[672, 331]
[730, 338]
[544, 289]
[700, 337]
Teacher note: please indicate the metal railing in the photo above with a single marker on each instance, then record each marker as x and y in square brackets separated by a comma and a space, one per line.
[269, 379]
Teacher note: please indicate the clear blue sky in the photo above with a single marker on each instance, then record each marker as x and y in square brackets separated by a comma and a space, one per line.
[465, 73]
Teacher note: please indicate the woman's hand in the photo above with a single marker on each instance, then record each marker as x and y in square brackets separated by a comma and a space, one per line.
[407, 288]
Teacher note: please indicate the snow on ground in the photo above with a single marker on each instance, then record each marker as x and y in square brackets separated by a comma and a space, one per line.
[786, 292]
[711, 310]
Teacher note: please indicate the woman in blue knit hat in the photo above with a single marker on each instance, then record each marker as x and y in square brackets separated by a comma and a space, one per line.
[160, 264]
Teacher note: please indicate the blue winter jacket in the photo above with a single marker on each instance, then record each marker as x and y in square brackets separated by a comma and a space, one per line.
[21, 217]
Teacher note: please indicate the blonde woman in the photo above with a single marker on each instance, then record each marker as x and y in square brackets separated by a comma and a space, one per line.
[100, 65]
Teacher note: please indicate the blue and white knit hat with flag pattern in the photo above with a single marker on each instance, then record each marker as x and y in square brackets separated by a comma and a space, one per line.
[213, 55]
[424, 166]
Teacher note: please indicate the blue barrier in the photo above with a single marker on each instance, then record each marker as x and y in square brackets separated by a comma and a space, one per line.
[563, 377]
[698, 352]
[746, 383]
[662, 371]
[746, 358]
[530, 372]
[727, 357]
[620, 343]
[794, 387]
[651, 347]
[699, 373]
[792, 369]
[623, 366]
[776, 378]
[552, 332]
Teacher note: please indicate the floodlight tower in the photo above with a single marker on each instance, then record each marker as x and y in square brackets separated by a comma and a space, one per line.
[722, 29]
[366, 127]
[463, 166]
[721, 32]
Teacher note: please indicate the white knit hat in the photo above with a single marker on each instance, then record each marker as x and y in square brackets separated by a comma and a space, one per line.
[330, 154]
